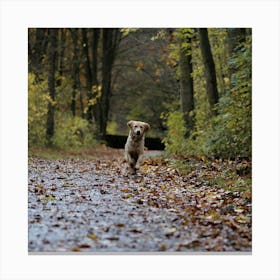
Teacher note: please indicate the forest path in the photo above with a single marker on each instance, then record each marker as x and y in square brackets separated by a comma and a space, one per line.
[92, 205]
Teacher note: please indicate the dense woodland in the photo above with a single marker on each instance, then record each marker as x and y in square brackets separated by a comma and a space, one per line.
[193, 85]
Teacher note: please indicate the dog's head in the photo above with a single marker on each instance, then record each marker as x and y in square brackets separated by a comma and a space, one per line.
[138, 128]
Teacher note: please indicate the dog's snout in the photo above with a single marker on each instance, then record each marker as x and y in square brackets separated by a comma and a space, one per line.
[138, 132]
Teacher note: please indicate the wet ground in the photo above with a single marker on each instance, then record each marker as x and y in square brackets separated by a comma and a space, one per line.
[92, 205]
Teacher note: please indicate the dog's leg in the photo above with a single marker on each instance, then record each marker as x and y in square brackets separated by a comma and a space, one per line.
[132, 168]
[131, 165]
[139, 161]
[133, 157]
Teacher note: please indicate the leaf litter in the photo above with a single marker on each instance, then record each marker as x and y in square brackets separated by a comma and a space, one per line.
[93, 205]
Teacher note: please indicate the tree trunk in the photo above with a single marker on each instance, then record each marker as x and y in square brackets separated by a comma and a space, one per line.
[37, 51]
[109, 44]
[76, 71]
[96, 107]
[61, 51]
[236, 36]
[186, 82]
[88, 73]
[210, 71]
[52, 49]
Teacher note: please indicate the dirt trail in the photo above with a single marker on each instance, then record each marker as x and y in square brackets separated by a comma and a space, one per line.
[92, 205]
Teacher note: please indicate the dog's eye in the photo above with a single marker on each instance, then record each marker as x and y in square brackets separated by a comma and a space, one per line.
[141, 126]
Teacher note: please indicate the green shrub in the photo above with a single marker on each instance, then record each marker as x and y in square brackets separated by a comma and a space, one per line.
[229, 133]
[38, 99]
[232, 128]
[112, 127]
[174, 140]
[72, 132]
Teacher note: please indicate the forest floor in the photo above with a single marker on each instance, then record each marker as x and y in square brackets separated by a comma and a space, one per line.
[88, 203]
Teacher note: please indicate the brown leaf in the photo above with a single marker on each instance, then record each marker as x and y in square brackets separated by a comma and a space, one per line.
[113, 238]
[135, 230]
[125, 190]
[163, 247]
[120, 225]
[92, 236]
[76, 249]
[84, 246]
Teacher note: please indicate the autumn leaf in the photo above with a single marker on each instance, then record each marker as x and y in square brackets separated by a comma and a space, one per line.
[125, 190]
[242, 219]
[126, 196]
[170, 231]
[49, 197]
[75, 249]
[120, 225]
[92, 236]
[139, 65]
[84, 246]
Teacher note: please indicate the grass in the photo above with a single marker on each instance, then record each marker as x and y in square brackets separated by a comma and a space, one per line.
[53, 154]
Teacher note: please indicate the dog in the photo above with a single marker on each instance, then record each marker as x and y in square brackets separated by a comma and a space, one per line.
[134, 147]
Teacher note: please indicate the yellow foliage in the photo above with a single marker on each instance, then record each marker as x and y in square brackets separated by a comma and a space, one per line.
[139, 65]
[38, 99]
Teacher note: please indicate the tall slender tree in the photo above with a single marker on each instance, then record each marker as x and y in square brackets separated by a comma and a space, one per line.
[110, 42]
[37, 49]
[186, 79]
[88, 71]
[96, 107]
[236, 36]
[61, 54]
[52, 50]
[76, 70]
[210, 70]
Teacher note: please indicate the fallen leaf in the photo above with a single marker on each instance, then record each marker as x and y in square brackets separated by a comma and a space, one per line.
[125, 190]
[84, 246]
[113, 238]
[75, 249]
[49, 197]
[127, 196]
[239, 210]
[242, 219]
[120, 225]
[170, 231]
[135, 230]
[92, 236]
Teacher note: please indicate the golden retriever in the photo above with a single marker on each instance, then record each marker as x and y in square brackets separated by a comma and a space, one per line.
[134, 147]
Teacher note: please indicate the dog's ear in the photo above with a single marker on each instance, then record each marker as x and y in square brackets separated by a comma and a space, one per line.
[147, 127]
[130, 123]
